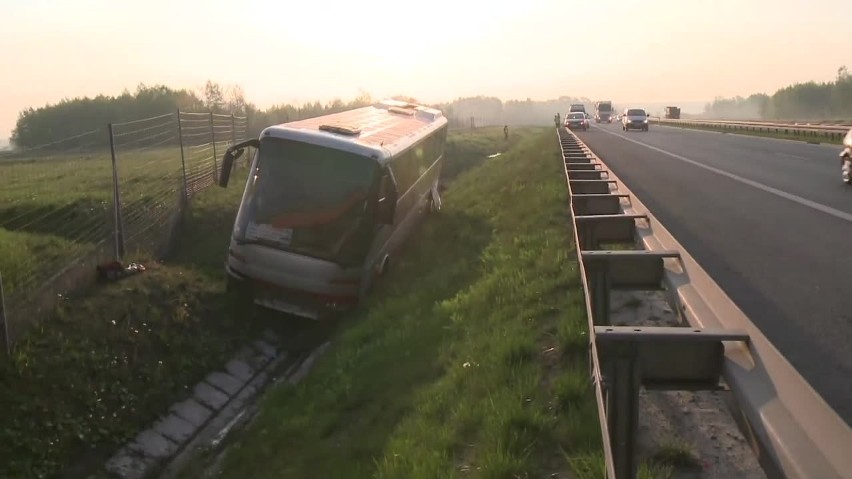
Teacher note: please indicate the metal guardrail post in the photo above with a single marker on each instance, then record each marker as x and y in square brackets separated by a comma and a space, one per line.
[5, 342]
[622, 409]
[599, 290]
[118, 232]
[182, 157]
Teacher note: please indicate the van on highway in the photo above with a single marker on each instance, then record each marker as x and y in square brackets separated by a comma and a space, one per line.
[577, 107]
[328, 201]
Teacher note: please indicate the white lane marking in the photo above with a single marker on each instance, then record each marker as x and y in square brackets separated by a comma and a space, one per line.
[760, 186]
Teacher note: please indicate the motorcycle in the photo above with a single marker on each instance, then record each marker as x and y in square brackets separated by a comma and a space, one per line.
[846, 158]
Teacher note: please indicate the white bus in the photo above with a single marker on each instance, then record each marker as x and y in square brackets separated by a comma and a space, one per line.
[327, 202]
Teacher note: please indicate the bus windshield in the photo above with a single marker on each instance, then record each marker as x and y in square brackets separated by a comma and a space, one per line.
[309, 200]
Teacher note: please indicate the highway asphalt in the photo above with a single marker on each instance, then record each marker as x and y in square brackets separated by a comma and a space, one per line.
[769, 220]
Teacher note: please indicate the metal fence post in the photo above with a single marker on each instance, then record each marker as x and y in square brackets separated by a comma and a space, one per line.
[4, 325]
[213, 138]
[234, 139]
[118, 233]
[182, 157]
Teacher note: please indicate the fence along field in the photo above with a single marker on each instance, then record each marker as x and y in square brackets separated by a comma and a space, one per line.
[58, 214]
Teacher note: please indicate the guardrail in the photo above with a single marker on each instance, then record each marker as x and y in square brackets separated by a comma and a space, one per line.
[794, 432]
[829, 132]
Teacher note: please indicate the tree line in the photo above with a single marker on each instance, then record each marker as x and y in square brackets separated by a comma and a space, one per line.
[803, 101]
[70, 117]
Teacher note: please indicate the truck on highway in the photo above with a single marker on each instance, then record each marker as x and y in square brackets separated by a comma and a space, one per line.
[328, 200]
[603, 111]
[672, 113]
[577, 107]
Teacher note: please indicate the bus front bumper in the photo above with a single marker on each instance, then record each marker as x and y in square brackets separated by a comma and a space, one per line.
[286, 300]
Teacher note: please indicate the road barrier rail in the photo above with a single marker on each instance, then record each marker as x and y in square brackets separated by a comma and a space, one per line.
[794, 432]
[808, 131]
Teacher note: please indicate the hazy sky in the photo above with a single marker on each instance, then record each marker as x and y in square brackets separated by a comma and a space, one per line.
[292, 50]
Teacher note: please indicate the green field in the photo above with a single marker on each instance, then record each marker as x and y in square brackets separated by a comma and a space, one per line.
[56, 208]
[468, 360]
[108, 363]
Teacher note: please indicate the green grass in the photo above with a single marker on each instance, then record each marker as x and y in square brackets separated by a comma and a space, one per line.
[108, 363]
[765, 134]
[591, 466]
[677, 454]
[59, 207]
[469, 148]
[470, 359]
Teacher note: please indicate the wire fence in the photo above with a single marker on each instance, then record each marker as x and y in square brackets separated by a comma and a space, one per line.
[69, 205]
[458, 122]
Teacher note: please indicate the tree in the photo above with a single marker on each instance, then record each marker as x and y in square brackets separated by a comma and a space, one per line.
[363, 99]
[70, 117]
[236, 103]
[214, 100]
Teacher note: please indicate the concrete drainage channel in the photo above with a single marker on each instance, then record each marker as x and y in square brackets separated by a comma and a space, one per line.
[218, 403]
[646, 372]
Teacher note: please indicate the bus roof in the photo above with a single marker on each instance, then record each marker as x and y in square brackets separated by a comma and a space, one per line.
[379, 131]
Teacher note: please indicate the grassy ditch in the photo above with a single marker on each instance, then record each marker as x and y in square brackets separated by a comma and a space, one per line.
[470, 361]
[112, 360]
[58, 207]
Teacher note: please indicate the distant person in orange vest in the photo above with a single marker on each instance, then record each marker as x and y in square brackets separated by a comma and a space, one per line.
[506, 132]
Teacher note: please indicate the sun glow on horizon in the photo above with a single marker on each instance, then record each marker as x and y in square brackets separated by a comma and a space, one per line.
[318, 50]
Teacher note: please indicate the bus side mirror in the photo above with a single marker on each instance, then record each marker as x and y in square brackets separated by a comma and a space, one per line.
[386, 209]
[228, 165]
[231, 154]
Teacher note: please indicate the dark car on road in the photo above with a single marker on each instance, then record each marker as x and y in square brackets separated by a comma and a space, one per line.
[634, 119]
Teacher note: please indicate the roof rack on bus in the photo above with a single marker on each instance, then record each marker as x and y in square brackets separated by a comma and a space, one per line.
[341, 129]
[390, 103]
[402, 110]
